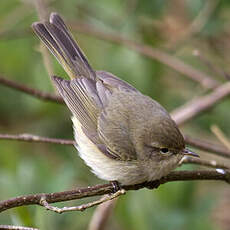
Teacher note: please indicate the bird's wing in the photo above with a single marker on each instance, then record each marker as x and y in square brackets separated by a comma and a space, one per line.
[59, 41]
[102, 115]
[113, 130]
[89, 93]
[81, 97]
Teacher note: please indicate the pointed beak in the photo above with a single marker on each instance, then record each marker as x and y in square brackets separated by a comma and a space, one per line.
[188, 152]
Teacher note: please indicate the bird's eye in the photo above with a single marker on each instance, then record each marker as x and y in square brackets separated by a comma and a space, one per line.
[164, 150]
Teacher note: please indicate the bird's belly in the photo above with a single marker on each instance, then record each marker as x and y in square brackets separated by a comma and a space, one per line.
[125, 172]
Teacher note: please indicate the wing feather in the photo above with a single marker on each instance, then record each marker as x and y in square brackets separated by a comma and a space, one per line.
[92, 97]
[59, 41]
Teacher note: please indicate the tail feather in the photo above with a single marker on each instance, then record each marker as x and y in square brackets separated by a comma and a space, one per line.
[58, 39]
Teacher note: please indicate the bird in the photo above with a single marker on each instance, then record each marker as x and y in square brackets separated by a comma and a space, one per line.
[121, 134]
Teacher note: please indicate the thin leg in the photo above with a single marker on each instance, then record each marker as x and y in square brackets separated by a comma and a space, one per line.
[116, 186]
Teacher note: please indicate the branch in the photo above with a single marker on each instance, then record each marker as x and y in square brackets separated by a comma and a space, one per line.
[207, 163]
[42, 11]
[200, 144]
[180, 115]
[108, 188]
[12, 227]
[33, 138]
[207, 146]
[221, 136]
[82, 207]
[198, 23]
[211, 65]
[31, 91]
[196, 75]
[201, 104]
[205, 80]
[101, 215]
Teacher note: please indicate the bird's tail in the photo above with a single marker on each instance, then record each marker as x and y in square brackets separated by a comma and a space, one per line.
[60, 42]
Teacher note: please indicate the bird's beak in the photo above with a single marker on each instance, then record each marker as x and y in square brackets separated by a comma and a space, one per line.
[188, 152]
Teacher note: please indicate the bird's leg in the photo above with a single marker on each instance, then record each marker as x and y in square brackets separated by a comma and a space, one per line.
[116, 186]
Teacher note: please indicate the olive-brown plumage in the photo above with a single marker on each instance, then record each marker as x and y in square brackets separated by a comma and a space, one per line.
[121, 134]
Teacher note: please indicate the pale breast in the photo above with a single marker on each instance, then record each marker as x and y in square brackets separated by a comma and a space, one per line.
[125, 172]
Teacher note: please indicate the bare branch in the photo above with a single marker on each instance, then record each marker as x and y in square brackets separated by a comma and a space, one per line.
[216, 148]
[12, 227]
[180, 115]
[192, 109]
[198, 23]
[101, 215]
[207, 163]
[212, 66]
[203, 16]
[42, 11]
[200, 144]
[205, 80]
[221, 136]
[148, 51]
[31, 91]
[33, 138]
[108, 188]
[201, 104]
[41, 8]
[57, 196]
[82, 207]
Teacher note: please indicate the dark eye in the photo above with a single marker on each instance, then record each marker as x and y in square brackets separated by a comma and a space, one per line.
[164, 150]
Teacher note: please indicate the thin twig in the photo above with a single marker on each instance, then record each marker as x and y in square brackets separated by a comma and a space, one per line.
[203, 16]
[43, 13]
[108, 188]
[101, 215]
[205, 80]
[221, 136]
[201, 104]
[34, 138]
[13, 227]
[180, 115]
[198, 23]
[202, 162]
[202, 144]
[148, 51]
[41, 9]
[211, 65]
[82, 207]
[31, 91]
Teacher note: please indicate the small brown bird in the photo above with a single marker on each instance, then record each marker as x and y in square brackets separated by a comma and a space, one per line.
[121, 134]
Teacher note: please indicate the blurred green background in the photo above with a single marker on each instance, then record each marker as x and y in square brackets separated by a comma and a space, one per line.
[33, 168]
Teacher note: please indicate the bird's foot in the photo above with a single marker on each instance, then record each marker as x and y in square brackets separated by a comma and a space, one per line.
[116, 186]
